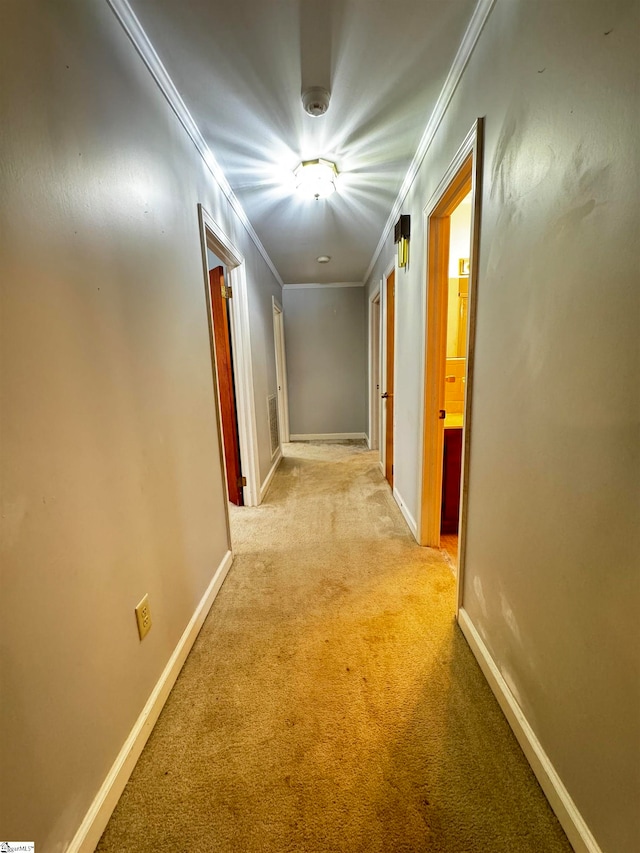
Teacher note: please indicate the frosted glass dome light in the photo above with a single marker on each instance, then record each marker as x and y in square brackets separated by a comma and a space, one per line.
[316, 178]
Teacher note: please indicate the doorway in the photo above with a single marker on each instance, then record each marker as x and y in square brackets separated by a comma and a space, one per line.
[281, 372]
[389, 359]
[453, 218]
[220, 294]
[374, 371]
[231, 320]
[455, 374]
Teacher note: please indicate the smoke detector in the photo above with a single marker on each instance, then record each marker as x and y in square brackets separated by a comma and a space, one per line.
[315, 101]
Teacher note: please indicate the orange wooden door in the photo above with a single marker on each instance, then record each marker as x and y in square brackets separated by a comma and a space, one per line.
[224, 371]
[388, 395]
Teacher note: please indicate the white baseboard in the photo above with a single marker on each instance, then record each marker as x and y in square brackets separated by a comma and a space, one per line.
[566, 811]
[96, 819]
[326, 436]
[267, 480]
[368, 440]
[411, 522]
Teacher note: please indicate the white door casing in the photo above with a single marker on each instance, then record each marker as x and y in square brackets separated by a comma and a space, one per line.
[281, 371]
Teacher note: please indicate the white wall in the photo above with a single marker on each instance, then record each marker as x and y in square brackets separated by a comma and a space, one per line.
[214, 261]
[553, 556]
[111, 477]
[459, 236]
[325, 334]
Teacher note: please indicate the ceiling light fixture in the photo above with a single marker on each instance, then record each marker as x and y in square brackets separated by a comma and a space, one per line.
[323, 259]
[315, 101]
[316, 178]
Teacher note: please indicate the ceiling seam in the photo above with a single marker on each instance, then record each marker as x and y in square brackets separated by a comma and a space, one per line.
[140, 40]
[468, 43]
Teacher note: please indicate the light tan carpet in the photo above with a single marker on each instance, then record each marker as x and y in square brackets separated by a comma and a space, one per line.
[330, 702]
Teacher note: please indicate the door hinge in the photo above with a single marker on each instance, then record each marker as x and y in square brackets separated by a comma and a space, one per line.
[226, 291]
[242, 481]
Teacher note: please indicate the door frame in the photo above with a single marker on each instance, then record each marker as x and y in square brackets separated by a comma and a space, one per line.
[383, 360]
[375, 308]
[213, 237]
[465, 166]
[281, 370]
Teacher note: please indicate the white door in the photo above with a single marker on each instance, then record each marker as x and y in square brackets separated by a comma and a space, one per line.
[281, 373]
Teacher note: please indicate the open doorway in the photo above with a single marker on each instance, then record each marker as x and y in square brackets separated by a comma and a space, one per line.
[374, 371]
[389, 367]
[228, 314]
[455, 374]
[453, 217]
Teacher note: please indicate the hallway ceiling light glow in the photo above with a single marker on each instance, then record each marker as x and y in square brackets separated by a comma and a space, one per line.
[316, 178]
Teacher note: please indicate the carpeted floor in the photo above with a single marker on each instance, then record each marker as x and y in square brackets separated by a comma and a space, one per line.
[330, 702]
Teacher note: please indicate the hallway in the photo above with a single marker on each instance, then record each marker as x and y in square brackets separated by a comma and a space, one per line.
[330, 702]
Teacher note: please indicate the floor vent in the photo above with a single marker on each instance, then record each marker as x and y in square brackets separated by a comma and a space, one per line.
[272, 404]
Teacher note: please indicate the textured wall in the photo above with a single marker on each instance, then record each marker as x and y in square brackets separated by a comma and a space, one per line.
[552, 573]
[111, 480]
[325, 336]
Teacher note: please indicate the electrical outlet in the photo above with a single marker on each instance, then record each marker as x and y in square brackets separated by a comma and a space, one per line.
[143, 617]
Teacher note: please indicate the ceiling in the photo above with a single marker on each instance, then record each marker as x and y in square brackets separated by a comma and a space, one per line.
[240, 67]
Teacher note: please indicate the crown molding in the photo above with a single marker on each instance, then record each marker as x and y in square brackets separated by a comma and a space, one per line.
[468, 43]
[147, 52]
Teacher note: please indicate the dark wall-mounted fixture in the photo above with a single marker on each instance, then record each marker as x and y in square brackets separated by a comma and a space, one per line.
[402, 233]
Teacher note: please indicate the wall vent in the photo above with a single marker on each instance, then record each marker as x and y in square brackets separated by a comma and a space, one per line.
[272, 404]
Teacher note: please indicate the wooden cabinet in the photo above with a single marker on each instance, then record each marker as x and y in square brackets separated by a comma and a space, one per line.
[451, 471]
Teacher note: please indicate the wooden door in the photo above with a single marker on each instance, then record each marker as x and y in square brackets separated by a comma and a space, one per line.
[388, 394]
[451, 471]
[224, 371]
[376, 407]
